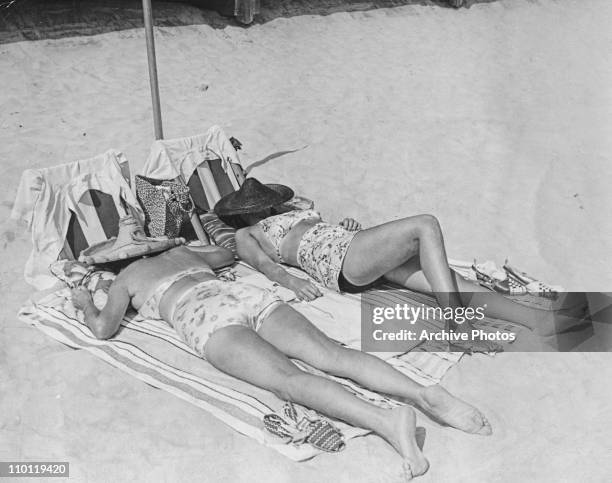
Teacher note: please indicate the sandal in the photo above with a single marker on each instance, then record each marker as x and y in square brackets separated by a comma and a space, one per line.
[311, 429]
[511, 286]
[507, 286]
[532, 285]
[484, 279]
[490, 269]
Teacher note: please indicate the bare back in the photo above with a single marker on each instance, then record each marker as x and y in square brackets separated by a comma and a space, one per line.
[143, 276]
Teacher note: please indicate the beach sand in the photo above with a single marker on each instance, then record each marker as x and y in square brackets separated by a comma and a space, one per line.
[495, 118]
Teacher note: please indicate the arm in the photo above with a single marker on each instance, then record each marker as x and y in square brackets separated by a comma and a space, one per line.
[251, 252]
[103, 323]
[215, 256]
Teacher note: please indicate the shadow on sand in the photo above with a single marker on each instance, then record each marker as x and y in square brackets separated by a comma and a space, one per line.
[50, 19]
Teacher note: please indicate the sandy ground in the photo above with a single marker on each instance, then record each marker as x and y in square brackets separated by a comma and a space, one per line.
[495, 118]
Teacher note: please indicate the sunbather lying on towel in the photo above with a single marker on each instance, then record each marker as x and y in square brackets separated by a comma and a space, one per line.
[249, 333]
[409, 252]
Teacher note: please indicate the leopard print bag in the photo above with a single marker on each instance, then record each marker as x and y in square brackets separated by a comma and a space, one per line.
[166, 205]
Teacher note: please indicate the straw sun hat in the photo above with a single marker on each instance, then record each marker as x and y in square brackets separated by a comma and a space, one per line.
[130, 242]
[253, 196]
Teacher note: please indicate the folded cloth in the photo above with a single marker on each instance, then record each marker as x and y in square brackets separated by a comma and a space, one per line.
[46, 199]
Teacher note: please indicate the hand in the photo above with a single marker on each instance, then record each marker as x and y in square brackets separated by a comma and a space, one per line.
[304, 289]
[81, 298]
[227, 275]
[350, 224]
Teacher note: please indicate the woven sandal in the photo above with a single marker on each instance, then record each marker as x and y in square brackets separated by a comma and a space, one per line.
[507, 286]
[326, 437]
[282, 428]
[511, 286]
[531, 284]
[316, 431]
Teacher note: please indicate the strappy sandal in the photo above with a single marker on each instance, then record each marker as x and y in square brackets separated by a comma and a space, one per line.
[316, 431]
[531, 284]
[489, 268]
[511, 286]
[507, 287]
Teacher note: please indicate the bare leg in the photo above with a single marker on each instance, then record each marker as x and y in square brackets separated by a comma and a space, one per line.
[380, 250]
[377, 251]
[296, 337]
[544, 322]
[242, 353]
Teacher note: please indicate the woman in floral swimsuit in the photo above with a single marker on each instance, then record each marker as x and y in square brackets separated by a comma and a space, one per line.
[249, 333]
[409, 252]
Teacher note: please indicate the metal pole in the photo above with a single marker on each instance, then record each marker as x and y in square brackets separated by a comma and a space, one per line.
[148, 23]
[157, 120]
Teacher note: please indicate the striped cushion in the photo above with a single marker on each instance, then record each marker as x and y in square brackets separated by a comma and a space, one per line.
[220, 233]
[98, 204]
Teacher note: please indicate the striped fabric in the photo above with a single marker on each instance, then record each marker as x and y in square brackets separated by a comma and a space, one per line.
[207, 162]
[63, 206]
[151, 351]
[220, 233]
[97, 221]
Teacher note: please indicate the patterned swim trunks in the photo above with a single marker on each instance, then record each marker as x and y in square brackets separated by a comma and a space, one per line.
[214, 304]
[321, 252]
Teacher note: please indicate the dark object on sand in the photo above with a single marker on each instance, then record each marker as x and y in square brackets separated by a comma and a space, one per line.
[237, 144]
[253, 196]
[243, 10]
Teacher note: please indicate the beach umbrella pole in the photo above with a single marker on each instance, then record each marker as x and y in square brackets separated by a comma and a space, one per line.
[157, 120]
[148, 24]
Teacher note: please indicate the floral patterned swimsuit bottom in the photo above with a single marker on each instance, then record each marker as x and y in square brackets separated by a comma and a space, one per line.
[211, 305]
[215, 304]
[321, 250]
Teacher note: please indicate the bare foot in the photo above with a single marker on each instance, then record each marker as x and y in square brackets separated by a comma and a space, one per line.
[402, 435]
[445, 407]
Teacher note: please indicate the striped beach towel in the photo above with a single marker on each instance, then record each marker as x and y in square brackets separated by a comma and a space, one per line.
[151, 351]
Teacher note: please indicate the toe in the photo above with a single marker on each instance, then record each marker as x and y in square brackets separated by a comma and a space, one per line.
[485, 428]
[407, 470]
